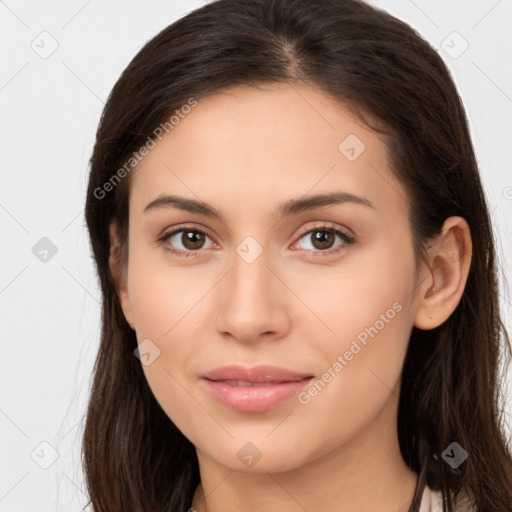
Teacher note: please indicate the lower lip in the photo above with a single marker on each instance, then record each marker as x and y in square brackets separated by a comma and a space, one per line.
[254, 398]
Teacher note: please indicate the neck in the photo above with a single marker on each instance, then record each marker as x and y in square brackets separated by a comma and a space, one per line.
[276, 493]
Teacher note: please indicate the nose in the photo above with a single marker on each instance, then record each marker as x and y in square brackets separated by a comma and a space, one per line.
[252, 301]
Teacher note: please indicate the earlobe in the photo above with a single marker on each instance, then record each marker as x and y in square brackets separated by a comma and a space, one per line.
[119, 276]
[450, 261]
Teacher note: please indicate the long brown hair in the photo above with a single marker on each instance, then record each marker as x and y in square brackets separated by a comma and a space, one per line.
[134, 457]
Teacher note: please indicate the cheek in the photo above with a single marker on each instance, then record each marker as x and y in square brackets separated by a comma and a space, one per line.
[366, 297]
[366, 313]
[163, 295]
[167, 307]
[358, 371]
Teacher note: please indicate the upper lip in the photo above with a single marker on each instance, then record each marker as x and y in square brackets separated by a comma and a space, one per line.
[261, 373]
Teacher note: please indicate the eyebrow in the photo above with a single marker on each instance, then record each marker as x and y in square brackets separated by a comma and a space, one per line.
[290, 207]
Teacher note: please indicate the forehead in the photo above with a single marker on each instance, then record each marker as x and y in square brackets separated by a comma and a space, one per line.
[269, 142]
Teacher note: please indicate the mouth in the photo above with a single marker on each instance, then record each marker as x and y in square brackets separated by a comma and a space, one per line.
[245, 384]
[254, 389]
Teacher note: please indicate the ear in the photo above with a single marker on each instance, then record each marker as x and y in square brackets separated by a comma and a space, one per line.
[119, 274]
[449, 259]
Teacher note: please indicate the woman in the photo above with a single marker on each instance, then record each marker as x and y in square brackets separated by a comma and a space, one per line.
[300, 305]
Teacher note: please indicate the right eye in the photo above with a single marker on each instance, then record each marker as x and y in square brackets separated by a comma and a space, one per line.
[190, 238]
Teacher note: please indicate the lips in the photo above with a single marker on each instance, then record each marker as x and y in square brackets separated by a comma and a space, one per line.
[245, 384]
[256, 374]
[255, 389]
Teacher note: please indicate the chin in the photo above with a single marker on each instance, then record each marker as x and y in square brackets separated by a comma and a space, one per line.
[258, 456]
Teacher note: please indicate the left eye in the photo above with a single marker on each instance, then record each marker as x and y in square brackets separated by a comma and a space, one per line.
[322, 239]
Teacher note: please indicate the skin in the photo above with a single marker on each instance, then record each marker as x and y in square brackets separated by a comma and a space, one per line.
[245, 151]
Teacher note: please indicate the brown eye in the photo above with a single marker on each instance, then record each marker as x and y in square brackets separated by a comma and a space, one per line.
[185, 241]
[322, 240]
[192, 240]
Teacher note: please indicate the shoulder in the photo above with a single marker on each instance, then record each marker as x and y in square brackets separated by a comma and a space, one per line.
[432, 501]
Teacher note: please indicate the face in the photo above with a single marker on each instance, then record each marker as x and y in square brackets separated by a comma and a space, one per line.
[308, 268]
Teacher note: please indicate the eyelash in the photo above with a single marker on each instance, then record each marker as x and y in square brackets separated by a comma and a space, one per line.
[347, 239]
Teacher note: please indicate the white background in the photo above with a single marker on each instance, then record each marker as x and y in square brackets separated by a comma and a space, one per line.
[50, 108]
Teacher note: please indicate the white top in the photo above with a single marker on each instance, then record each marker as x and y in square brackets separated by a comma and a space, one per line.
[432, 501]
